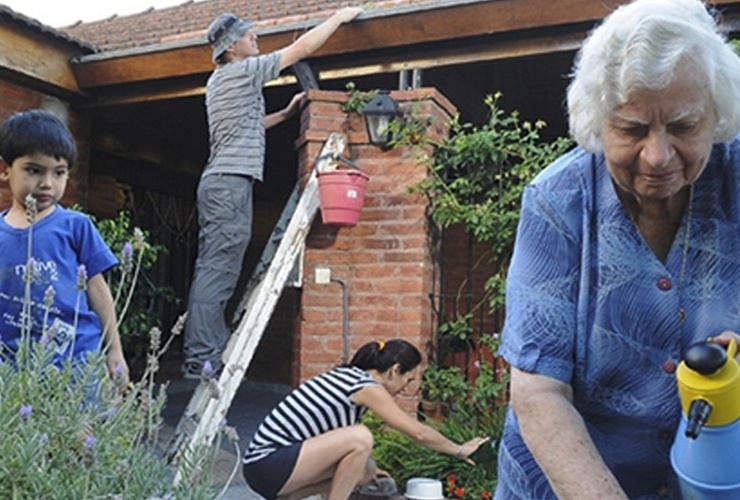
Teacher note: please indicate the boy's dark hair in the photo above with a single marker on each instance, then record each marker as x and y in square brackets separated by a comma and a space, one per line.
[36, 131]
[382, 355]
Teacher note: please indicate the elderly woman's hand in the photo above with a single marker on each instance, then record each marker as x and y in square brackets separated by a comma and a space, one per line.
[724, 339]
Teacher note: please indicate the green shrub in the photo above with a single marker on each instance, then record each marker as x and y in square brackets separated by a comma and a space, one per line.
[135, 293]
[477, 177]
[443, 384]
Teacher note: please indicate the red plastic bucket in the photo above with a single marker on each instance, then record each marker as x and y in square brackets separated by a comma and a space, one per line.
[341, 194]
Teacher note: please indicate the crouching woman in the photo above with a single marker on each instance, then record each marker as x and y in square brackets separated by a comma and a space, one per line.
[313, 442]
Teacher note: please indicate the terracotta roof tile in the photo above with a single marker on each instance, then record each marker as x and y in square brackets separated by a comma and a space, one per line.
[190, 19]
[6, 11]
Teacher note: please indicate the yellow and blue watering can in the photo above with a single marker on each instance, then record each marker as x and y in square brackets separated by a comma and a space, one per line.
[706, 452]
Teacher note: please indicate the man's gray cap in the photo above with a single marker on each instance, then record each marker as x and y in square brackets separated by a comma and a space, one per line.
[225, 30]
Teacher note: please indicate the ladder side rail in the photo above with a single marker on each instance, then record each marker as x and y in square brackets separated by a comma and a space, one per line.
[243, 342]
[203, 393]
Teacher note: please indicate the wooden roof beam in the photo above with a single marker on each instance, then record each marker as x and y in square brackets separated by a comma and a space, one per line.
[374, 30]
[36, 59]
[416, 59]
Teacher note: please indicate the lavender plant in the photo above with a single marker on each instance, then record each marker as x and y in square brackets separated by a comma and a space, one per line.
[70, 431]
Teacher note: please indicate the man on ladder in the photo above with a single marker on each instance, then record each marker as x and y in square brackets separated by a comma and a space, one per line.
[237, 122]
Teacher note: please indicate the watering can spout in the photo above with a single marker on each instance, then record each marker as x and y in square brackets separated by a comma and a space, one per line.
[699, 412]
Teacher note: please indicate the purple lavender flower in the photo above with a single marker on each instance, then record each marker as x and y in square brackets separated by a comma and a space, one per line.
[127, 257]
[118, 374]
[25, 412]
[81, 277]
[155, 339]
[207, 369]
[90, 442]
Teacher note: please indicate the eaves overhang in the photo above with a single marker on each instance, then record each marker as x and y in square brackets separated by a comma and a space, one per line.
[374, 32]
[37, 55]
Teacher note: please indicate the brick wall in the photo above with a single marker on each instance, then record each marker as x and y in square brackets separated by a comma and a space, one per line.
[14, 98]
[384, 262]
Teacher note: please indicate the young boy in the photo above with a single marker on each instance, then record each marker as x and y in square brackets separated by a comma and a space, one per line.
[71, 305]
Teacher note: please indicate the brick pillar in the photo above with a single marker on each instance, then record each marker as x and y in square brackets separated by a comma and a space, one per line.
[383, 264]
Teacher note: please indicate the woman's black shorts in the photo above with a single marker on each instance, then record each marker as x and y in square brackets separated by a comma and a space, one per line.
[268, 475]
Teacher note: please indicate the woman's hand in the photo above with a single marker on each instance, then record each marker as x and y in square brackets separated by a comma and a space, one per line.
[724, 339]
[470, 447]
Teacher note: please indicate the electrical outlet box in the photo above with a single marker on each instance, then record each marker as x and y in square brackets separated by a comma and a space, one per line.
[322, 275]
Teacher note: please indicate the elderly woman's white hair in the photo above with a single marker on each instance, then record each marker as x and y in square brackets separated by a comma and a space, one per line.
[638, 46]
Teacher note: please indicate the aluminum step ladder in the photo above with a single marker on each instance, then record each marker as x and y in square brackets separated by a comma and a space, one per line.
[205, 414]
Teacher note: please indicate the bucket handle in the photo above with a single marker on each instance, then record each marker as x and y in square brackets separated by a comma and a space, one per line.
[339, 158]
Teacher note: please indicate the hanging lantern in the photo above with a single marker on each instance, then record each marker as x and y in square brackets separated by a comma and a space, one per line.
[378, 113]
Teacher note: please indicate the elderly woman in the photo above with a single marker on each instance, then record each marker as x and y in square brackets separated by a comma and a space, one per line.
[628, 251]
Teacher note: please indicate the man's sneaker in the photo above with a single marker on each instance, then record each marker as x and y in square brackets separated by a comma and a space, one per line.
[197, 370]
[192, 370]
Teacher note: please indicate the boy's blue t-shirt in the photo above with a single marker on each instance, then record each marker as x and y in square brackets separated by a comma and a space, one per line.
[61, 243]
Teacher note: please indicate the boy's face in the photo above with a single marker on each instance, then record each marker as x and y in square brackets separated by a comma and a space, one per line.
[42, 176]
